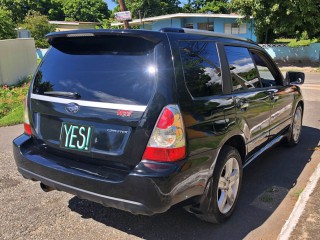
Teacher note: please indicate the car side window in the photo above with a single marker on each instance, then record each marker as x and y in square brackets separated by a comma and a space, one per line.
[267, 78]
[244, 74]
[201, 68]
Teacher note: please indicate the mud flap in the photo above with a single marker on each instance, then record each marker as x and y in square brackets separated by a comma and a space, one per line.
[205, 203]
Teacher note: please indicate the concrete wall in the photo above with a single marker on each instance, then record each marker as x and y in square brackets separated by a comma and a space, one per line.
[17, 60]
[299, 55]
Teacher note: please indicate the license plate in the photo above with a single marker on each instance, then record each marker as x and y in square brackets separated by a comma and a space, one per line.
[76, 137]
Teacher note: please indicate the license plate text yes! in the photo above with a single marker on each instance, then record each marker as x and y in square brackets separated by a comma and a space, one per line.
[75, 137]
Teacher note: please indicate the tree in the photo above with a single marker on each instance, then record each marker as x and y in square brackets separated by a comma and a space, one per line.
[85, 10]
[308, 20]
[39, 26]
[20, 8]
[205, 6]
[217, 6]
[7, 27]
[55, 11]
[276, 17]
[51, 8]
[150, 8]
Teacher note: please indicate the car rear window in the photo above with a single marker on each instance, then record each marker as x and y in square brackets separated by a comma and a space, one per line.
[113, 69]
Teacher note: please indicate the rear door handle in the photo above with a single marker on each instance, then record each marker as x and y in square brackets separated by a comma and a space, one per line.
[242, 104]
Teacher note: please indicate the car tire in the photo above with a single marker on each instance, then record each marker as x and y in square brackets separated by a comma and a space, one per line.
[222, 192]
[294, 133]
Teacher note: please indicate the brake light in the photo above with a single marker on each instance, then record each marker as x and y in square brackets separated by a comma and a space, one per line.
[167, 142]
[27, 128]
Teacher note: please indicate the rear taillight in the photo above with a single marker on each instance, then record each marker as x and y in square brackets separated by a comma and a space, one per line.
[27, 128]
[167, 142]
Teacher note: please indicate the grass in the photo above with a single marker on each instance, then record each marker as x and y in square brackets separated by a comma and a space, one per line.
[283, 40]
[295, 43]
[298, 193]
[11, 102]
[14, 117]
[301, 43]
[266, 198]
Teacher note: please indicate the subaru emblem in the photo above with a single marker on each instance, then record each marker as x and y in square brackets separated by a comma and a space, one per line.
[72, 108]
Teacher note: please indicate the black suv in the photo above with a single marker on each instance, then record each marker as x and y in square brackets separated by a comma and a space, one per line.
[142, 120]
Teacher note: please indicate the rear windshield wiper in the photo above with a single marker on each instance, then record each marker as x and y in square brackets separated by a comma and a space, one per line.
[63, 94]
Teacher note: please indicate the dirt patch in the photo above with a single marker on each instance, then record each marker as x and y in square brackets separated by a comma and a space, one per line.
[270, 199]
[8, 182]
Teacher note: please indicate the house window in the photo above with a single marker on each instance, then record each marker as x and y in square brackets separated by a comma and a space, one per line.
[189, 25]
[206, 26]
[235, 28]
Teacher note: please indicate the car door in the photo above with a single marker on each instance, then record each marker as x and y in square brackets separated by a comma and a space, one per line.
[281, 96]
[206, 111]
[251, 101]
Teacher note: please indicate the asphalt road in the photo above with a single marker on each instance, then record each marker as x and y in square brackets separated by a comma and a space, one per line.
[271, 186]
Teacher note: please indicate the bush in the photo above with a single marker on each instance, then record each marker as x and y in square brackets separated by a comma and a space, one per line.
[39, 26]
[11, 97]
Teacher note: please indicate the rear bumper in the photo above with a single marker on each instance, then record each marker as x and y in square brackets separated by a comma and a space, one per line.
[138, 193]
[123, 204]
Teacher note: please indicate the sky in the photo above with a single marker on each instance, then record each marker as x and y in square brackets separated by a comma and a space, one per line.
[111, 4]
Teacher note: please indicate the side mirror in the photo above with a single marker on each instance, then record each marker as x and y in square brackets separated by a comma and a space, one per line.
[295, 78]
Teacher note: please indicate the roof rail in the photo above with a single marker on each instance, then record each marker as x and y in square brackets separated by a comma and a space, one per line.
[213, 34]
[204, 32]
[170, 29]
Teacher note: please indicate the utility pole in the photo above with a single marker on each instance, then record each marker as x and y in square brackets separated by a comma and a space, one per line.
[122, 9]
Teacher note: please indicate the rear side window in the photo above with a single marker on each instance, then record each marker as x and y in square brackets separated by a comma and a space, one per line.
[108, 69]
[244, 74]
[201, 67]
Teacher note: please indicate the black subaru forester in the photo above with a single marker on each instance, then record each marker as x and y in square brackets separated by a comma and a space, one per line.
[142, 120]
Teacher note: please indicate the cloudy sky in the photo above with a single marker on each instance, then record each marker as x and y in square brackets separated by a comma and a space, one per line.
[111, 4]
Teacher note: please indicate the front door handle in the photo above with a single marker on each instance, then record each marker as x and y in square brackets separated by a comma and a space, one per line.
[272, 95]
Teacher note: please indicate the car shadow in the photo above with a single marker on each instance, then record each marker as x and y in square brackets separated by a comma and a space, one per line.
[266, 182]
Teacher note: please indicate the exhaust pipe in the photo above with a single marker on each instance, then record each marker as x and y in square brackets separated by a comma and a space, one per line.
[46, 188]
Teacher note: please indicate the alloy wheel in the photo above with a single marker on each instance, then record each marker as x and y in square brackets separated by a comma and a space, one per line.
[228, 186]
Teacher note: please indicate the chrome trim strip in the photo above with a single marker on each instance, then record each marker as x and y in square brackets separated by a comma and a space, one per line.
[116, 106]
[269, 145]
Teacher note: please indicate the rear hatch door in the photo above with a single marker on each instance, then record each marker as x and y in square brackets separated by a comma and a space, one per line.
[90, 95]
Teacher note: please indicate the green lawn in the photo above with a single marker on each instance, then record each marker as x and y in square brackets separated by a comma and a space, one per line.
[11, 103]
[294, 43]
[283, 40]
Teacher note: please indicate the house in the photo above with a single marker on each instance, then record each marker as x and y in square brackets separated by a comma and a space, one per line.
[67, 26]
[220, 23]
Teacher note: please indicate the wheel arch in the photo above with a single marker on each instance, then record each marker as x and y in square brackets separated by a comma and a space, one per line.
[238, 142]
[301, 103]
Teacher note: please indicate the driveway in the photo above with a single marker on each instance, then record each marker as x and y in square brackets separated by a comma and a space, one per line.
[271, 187]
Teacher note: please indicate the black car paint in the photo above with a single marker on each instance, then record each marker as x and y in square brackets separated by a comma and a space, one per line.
[120, 179]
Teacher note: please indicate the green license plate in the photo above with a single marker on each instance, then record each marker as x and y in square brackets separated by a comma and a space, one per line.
[77, 137]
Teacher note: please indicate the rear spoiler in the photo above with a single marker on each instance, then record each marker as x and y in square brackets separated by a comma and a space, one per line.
[154, 37]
